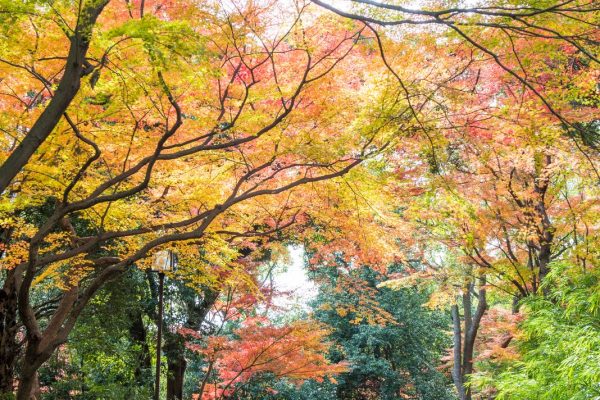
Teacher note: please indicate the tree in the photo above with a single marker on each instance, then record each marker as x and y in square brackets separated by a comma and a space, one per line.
[295, 352]
[393, 358]
[186, 88]
[199, 300]
[108, 354]
[76, 66]
[458, 142]
[558, 343]
[497, 33]
[494, 161]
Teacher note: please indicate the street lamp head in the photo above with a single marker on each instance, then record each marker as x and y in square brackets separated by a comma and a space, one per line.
[164, 261]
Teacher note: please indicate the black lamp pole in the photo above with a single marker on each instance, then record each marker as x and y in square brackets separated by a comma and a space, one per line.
[161, 281]
[170, 265]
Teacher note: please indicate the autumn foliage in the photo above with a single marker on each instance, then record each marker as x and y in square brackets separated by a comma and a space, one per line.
[441, 148]
[295, 352]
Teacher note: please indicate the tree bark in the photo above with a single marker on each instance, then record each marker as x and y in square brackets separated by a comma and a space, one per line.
[457, 367]
[76, 67]
[32, 361]
[546, 234]
[137, 330]
[9, 347]
[175, 346]
[464, 340]
[176, 377]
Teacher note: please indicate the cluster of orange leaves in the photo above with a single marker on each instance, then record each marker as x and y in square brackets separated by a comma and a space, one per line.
[296, 352]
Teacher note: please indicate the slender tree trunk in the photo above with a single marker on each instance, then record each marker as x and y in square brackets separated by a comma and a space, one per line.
[545, 255]
[457, 375]
[464, 340]
[516, 303]
[546, 235]
[471, 333]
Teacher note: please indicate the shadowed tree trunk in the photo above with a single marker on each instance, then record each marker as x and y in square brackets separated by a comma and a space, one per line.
[138, 333]
[176, 377]
[9, 346]
[175, 345]
[32, 361]
[464, 339]
[457, 376]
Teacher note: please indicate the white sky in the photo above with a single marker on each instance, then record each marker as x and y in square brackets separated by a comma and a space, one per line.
[294, 279]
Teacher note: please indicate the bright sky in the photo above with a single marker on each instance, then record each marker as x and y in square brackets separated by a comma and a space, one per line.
[294, 279]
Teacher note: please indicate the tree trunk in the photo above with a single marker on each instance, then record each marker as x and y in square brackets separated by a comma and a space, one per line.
[9, 347]
[137, 331]
[457, 375]
[36, 390]
[516, 303]
[545, 255]
[464, 340]
[175, 378]
[175, 345]
[547, 230]
[32, 361]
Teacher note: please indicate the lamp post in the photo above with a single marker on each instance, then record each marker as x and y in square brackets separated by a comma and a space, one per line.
[164, 260]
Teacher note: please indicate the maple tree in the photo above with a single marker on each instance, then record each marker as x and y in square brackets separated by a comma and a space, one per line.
[215, 92]
[504, 204]
[76, 66]
[295, 352]
[458, 142]
[506, 126]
